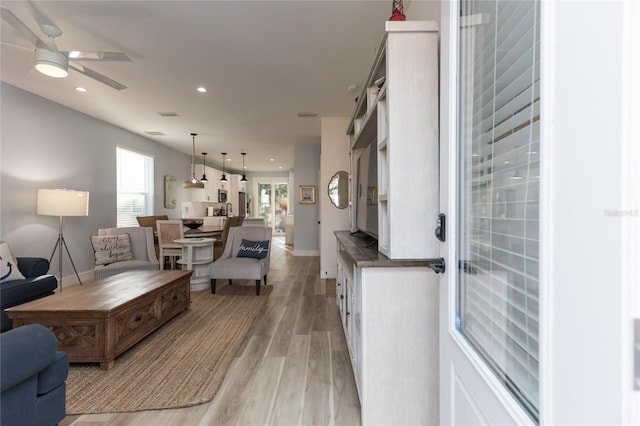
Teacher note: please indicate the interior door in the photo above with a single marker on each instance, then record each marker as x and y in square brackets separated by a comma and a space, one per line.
[490, 186]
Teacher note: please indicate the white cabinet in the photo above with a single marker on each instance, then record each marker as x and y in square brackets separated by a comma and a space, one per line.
[397, 114]
[210, 191]
[389, 312]
[235, 187]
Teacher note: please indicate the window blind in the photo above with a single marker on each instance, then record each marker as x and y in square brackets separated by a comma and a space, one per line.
[135, 186]
[498, 190]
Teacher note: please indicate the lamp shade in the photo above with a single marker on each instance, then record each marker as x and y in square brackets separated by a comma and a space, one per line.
[63, 202]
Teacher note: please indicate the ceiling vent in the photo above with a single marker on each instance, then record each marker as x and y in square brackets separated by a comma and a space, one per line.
[307, 114]
[155, 134]
[169, 114]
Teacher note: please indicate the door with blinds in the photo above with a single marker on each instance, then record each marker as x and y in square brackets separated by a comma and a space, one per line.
[493, 209]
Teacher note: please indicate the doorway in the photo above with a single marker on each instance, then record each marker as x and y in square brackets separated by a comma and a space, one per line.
[272, 202]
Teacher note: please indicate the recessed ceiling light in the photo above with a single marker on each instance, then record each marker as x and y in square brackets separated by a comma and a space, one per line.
[272, 159]
[202, 89]
[80, 89]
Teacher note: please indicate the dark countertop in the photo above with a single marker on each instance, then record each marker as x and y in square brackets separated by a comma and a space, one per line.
[354, 248]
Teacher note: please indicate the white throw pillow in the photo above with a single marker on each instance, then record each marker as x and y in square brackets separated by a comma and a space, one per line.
[111, 249]
[9, 266]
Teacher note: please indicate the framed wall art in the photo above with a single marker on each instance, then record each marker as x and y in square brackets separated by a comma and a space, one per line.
[307, 194]
[170, 192]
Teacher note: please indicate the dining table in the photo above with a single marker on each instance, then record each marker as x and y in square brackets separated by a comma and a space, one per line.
[204, 231]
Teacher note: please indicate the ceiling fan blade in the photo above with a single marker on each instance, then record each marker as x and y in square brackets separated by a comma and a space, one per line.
[76, 55]
[97, 76]
[19, 26]
[15, 46]
[44, 22]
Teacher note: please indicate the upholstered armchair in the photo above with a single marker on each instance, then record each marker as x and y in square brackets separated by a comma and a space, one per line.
[142, 257]
[33, 375]
[246, 256]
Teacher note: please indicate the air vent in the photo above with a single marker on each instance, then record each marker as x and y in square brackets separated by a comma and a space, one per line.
[169, 114]
[155, 134]
[307, 114]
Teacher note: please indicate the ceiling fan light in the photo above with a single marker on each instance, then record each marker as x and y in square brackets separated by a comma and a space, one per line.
[52, 63]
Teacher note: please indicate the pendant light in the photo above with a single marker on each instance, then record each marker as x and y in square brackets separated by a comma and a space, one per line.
[244, 176]
[193, 182]
[204, 171]
[224, 177]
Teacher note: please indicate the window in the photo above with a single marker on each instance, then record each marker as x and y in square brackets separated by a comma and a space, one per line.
[135, 186]
[498, 187]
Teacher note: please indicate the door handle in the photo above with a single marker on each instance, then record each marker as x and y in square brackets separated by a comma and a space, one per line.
[438, 265]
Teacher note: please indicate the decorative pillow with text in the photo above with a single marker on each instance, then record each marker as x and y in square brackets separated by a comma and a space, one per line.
[8, 264]
[254, 249]
[111, 249]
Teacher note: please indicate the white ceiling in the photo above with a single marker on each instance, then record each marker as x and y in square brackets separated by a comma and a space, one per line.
[261, 61]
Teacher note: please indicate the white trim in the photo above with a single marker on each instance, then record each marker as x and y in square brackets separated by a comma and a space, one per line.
[546, 320]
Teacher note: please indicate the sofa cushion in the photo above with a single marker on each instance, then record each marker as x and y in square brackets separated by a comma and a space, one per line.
[20, 291]
[8, 264]
[253, 249]
[111, 249]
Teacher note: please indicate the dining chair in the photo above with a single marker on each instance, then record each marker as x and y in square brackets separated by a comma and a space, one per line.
[168, 232]
[150, 221]
[231, 222]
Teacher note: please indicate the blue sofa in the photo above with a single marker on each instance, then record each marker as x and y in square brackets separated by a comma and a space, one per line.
[32, 377]
[35, 285]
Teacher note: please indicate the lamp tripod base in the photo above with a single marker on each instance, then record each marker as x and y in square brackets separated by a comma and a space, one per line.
[59, 244]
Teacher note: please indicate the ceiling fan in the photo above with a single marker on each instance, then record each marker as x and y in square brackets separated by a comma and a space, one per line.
[52, 62]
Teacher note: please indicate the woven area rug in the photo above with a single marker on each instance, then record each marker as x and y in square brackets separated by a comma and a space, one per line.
[181, 364]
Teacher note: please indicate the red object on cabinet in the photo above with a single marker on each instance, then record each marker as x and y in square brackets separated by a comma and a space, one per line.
[397, 11]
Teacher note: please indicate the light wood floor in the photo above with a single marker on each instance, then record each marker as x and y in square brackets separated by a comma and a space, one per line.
[292, 369]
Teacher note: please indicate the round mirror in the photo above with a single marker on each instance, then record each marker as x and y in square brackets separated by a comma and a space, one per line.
[339, 190]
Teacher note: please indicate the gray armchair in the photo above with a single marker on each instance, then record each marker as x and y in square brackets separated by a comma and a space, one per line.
[142, 249]
[230, 266]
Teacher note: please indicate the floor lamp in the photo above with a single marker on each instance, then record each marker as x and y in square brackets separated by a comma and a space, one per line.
[63, 202]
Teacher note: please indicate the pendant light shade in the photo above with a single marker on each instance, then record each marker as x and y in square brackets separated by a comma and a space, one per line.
[193, 182]
[244, 176]
[224, 177]
[204, 171]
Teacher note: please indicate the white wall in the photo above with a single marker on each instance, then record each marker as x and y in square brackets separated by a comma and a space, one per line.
[305, 235]
[334, 157]
[46, 145]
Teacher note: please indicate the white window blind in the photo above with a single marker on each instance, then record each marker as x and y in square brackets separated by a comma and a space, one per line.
[135, 186]
[498, 189]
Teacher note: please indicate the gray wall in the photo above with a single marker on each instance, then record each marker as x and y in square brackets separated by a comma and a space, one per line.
[306, 172]
[46, 145]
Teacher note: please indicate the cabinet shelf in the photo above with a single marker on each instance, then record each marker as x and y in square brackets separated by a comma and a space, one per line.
[398, 109]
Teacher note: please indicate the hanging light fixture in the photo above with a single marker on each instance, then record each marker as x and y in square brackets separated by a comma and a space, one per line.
[244, 176]
[193, 182]
[204, 171]
[224, 177]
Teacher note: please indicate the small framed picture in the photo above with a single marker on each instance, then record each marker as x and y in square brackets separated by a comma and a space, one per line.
[307, 194]
[371, 196]
[170, 192]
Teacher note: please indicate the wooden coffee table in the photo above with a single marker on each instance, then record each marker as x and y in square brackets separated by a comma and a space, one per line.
[98, 321]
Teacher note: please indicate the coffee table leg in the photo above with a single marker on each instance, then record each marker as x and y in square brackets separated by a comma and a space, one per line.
[107, 365]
